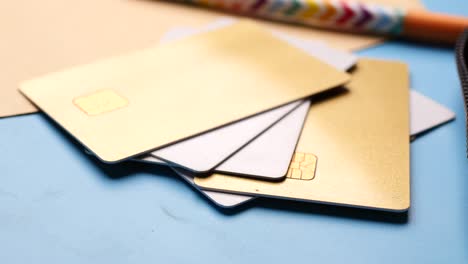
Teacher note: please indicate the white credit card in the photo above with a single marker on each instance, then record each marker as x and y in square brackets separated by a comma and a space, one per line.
[282, 137]
[267, 156]
[427, 114]
[203, 153]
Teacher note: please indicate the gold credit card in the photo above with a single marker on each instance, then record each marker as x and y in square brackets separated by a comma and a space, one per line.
[134, 103]
[353, 150]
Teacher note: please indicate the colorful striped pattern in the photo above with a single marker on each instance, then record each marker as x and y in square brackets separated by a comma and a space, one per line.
[338, 14]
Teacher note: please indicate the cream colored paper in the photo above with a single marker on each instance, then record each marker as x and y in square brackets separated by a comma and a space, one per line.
[49, 35]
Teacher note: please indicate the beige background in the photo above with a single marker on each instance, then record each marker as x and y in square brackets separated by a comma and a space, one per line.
[48, 35]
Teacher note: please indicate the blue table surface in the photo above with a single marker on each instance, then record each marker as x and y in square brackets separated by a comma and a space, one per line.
[57, 205]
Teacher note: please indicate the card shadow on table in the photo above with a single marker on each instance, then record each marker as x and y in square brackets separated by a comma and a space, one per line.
[126, 169]
[319, 209]
[114, 171]
[129, 169]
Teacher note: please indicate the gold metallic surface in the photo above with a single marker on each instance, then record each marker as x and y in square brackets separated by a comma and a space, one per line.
[361, 141]
[181, 89]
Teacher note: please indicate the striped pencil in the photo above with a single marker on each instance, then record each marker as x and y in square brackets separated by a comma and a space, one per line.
[351, 16]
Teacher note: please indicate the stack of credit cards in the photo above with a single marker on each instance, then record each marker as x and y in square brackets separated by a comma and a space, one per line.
[240, 111]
